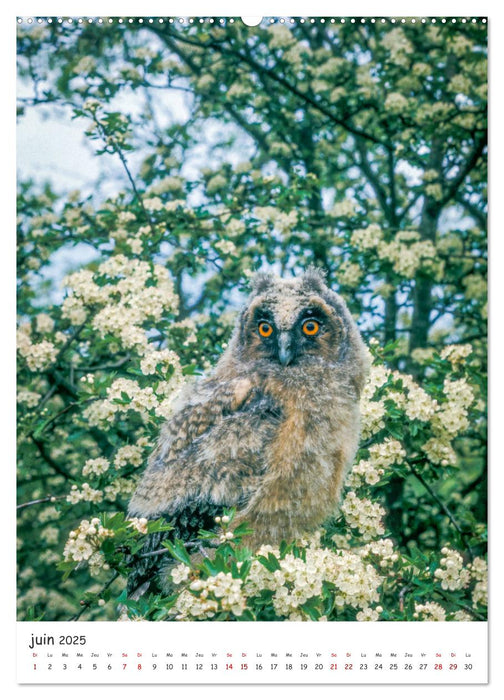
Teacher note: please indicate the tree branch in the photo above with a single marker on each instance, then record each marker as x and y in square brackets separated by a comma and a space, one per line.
[315, 104]
[443, 507]
[86, 605]
[49, 460]
[455, 183]
[479, 216]
[40, 500]
[366, 168]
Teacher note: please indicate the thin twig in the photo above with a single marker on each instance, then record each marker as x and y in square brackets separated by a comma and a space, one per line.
[49, 460]
[444, 508]
[40, 500]
[86, 605]
[154, 553]
[402, 593]
[202, 550]
[112, 365]
[163, 550]
[133, 186]
[464, 607]
[324, 108]
[117, 149]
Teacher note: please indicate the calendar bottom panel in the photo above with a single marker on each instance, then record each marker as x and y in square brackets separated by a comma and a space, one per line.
[252, 652]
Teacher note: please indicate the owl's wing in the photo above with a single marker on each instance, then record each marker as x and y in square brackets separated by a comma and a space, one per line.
[209, 456]
[150, 562]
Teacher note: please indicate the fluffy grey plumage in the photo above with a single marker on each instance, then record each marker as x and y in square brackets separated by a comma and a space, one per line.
[275, 427]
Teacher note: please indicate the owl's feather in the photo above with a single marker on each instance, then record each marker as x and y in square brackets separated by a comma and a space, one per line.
[188, 481]
[270, 433]
[147, 566]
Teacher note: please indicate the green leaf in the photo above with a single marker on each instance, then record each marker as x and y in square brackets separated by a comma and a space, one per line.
[245, 569]
[311, 609]
[242, 529]
[178, 551]
[207, 534]
[270, 562]
[247, 616]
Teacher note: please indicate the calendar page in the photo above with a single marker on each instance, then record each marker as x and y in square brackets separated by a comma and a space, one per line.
[252, 349]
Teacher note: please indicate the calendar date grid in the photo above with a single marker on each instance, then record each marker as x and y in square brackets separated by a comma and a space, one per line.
[254, 662]
[340, 653]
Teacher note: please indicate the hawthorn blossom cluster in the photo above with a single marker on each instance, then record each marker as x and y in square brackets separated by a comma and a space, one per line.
[121, 486]
[452, 573]
[398, 45]
[204, 598]
[84, 493]
[131, 454]
[38, 355]
[125, 395]
[385, 453]
[296, 581]
[95, 466]
[479, 573]
[280, 37]
[121, 295]
[429, 612]
[85, 540]
[364, 515]
[180, 573]
[28, 398]
[344, 208]
[446, 417]
[452, 415]
[369, 614]
[364, 472]
[456, 353]
[138, 524]
[123, 299]
[350, 274]
[272, 217]
[163, 359]
[382, 550]
[406, 252]
[117, 485]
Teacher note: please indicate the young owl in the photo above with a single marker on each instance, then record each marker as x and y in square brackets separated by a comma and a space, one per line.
[272, 431]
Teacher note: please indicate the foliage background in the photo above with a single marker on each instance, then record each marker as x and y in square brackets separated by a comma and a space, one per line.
[221, 150]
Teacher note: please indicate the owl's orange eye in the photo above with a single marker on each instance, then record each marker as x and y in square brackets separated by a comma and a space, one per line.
[265, 329]
[311, 327]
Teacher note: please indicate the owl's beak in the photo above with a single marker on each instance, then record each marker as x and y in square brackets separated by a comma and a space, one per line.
[285, 354]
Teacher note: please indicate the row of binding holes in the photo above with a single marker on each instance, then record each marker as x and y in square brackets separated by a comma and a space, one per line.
[231, 20]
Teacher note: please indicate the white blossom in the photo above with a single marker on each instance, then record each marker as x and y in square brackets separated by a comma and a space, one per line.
[430, 612]
[452, 573]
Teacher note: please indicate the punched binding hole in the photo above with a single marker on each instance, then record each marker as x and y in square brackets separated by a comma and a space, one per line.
[251, 21]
